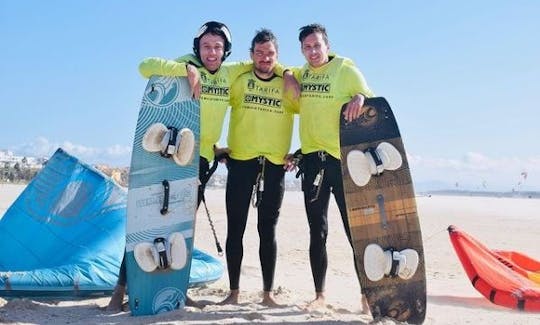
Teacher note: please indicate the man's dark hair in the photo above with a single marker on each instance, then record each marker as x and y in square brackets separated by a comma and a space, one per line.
[310, 29]
[262, 36]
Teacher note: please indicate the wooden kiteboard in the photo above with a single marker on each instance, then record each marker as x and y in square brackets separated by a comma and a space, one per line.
[382, 214]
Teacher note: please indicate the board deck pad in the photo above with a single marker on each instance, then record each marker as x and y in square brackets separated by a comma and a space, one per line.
[166, 100]
[383, 212]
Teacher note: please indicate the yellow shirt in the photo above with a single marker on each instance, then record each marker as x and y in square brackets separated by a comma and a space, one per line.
[214, 96]
[324, 90]
[261, 119]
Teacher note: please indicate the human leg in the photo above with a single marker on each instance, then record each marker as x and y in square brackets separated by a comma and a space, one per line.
[318, 224]
[268, 213]
[240, 182]
[117, 299]
[316, 204]
[335, 176]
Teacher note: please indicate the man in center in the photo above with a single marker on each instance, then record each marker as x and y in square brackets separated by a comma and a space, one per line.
[259, 138]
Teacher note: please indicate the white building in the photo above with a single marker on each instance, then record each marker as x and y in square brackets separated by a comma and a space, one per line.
[7, 157]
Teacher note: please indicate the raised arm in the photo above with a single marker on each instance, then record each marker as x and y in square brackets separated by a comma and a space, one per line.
[169, 68]
[162, 67]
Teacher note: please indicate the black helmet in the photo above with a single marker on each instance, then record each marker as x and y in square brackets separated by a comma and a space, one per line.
[213, 27]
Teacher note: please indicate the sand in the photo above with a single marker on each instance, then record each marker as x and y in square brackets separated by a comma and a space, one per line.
[502, 223]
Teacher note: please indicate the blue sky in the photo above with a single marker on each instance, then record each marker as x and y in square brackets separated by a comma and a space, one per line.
[463, 77]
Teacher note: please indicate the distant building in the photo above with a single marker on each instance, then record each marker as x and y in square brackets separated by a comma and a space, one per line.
[7, 158]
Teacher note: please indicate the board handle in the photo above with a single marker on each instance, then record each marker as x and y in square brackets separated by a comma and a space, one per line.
[166, 189]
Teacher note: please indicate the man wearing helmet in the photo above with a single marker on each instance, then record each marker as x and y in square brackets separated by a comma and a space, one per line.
[211, 46]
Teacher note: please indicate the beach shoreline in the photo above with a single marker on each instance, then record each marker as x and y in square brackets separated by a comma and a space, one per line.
[502, 223]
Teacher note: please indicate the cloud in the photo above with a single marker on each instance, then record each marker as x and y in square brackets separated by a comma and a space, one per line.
[40, 147]
[119, 150]
[80, 150]
[117, 155]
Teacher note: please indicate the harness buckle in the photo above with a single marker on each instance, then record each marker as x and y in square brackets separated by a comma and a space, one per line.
[258, 187]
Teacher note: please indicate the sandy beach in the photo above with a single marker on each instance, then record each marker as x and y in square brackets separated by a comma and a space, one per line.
[502, 223]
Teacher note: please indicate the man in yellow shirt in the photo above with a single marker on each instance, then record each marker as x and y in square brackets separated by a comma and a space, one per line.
[211, 46]
[327, 82]
[259, 138]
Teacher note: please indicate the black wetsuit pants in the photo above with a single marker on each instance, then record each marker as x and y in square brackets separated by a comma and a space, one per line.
[204, 166]
[242, 177]
[316, 199]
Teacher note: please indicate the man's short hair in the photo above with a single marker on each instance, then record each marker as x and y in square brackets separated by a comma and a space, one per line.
[262, 36]
[307, 30]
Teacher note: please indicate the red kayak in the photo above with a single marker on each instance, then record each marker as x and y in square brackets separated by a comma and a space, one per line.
[506, 278]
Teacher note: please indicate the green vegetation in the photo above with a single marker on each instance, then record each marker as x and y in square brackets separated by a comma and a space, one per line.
[17, 173]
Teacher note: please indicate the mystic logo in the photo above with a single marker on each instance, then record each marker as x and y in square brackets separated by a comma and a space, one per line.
[168, 299]
[266, 101]
[315, 88]
[162, 91]
[213, 90]
[369, 117]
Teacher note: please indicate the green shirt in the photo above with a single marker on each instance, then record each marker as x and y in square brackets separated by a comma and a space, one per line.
[214, 95]
[261, 119]
[324, 90]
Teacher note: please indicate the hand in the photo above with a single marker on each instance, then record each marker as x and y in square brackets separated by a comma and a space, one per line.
[221, 153]
[354, 108]
[194, 79]
[290, 164]
[291, 84]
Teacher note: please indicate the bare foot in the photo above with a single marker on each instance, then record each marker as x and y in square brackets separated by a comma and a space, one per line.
[192, 303]
[232, 299]
[269, 301]
[365, 306]
[318, 303]
[117, 300]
